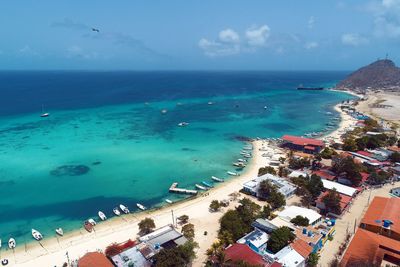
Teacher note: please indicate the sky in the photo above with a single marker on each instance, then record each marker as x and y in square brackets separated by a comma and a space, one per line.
[197, 35]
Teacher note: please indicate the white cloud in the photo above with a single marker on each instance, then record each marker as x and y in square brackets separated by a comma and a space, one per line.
[311, 45]
[386, 18]
[27, 51]
[353, 39]
[229, 36]
[258, 36]
[77, 51]
[311, 22]
[215, 48]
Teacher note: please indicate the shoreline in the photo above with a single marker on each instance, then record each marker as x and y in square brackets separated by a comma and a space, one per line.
[120, 229]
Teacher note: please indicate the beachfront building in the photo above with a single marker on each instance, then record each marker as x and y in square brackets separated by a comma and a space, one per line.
[284, 187]
[256, 240]
[377, 240]
[137, 255]
[341, 188]
[97, 259]
[288, 257]
[306, 145]
[290, 212]
[164, 237]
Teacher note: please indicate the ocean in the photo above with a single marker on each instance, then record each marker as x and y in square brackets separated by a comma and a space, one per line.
[106, 141]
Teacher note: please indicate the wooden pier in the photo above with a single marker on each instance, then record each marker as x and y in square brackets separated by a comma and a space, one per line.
[174, 189]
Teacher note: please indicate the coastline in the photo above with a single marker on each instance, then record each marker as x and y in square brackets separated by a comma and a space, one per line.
[53, 250]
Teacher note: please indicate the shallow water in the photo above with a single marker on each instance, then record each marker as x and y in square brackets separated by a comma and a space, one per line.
[102, 145]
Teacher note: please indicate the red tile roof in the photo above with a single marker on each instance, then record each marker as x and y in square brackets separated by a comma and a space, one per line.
[238, 252]
[92, 259]
[394, 148]
[344, 200]
[303, 141]
[325, 174]
[370, 247]
[302, 247]
[382, 208]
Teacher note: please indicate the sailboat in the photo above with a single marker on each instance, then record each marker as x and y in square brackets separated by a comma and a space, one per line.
[44, 114]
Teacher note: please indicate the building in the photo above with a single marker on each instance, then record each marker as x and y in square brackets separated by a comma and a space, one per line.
[291, 212]
[288, 257]
[345, 202]
[311, 237]
[307, 145]
[325, 174]
[134, 256]
[241, 252]
[284, 187]
[256, 240]
[342, 189]
[164, 237]
[92, 259]
[377, 241]
[395, 191]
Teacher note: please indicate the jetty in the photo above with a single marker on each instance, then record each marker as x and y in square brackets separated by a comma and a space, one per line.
[175, 189]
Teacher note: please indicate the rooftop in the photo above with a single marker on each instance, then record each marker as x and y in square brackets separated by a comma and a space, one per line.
[302, 247]
[291, 212]
[344, 200]
[97, 259]
[343, 189]
[382, 208]
[289, 257]
[257, 238]
[238, 252]
[302, 141]
[129, 256]
[163, 236]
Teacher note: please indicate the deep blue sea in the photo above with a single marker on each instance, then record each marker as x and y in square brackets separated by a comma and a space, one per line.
[107, 142]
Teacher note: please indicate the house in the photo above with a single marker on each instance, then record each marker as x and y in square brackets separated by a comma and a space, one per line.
[256, 240]
[307, 145]
[264, 225]
[296, 173]
[288, 257]
[395, 191]
[302, 247]
[290, 212]
[311, 237]
[284, 187]
[377, 241]
[241, 252]
[97, 259]
[342, 189]
[164, 237]
[325, 174]
[345, 202]
[134, 256]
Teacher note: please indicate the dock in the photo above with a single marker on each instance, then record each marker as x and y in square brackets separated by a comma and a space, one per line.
[175, 189]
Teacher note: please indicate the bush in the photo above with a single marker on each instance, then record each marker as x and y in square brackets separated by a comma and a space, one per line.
[188, 231]
[183, 219]
[327, 153]
[215, 205]
[395, 157]
[146, 226]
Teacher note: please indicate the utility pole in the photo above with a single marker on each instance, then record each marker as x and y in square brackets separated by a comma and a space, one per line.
[173, 219]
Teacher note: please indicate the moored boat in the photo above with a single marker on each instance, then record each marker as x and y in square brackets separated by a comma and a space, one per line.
[88, 226]
[232, 173]
[92, 222]
[200, 187]
[140, 206]
[183, 124]
[60, 231]
[217, 179]
[124, 209]
[168, 201]
[102, 216]
[12, 243]
[37, 235]
[207, 184]
[116, 211]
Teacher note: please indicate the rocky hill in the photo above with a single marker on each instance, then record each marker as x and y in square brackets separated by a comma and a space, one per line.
[379, 75]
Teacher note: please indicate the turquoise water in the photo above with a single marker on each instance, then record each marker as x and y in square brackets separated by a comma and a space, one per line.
[129, 152]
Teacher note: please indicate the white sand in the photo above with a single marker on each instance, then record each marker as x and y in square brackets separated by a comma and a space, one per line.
[53, 252]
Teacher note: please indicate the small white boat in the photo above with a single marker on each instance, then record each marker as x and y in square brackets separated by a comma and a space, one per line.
[217, 179]
[164, 111]
[247, 156]
[183, 124]
[92, 222]
[232, 173]
[102, 216]
[265, 107]
[12, 243]
[168, 201]
[59, 231]
[37, 235]
[116, 211]
[124, 209]
[44, 114]
[140, 206]
[210, 103]
[200, 187]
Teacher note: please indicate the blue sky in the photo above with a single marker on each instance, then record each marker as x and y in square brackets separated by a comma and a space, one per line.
[198, 35]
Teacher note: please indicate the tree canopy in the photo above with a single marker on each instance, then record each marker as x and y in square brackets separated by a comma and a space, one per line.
[181, 255]
[146, 226]
[269, 192]
[327, 153]
[395, 157]
[332, 201]
[266, 170]
[188, 231]
[347, 166]
[300, 221]
[215, 205]
[280, 238]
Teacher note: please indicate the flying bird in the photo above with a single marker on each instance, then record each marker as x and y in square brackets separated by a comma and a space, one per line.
[95, 30]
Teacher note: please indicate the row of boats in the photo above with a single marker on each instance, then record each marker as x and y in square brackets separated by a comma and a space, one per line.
[88, 224]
